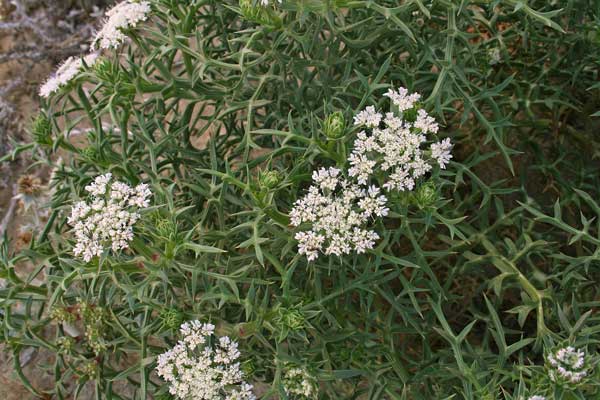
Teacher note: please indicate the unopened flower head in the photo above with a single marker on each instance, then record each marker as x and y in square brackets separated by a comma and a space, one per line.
[258, 11]
[334, 125]
[41, 130]
[338, 212]
[66, 72]
[269, 179]
[202, 366]
[567, 365]
[395, 153]
[170, 318]
[290, 318]
[125, 15]
[299, 384]
[107, 220]
[65, 344]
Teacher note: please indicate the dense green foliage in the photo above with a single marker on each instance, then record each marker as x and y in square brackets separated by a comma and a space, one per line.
[224, 109]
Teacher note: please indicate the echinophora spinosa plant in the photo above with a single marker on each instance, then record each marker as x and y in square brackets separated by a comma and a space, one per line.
[342, 188]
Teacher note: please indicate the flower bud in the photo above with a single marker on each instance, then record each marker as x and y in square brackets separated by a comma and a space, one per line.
[41, 130]
[248, 367]
[105, 71]
[89, 152]
[334, 125]
[291, 318]
[170, 318]
[269, 179]
[165, 227]
[61, 315]
[258, 14]
[65, 344]
[426, 195]
[88, 370]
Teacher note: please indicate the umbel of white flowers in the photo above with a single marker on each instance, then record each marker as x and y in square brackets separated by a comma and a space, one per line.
[338, 211]
[394, 150]
[299, 384]
[567, 365]
[203, 367]
[536, 398]
[68, 70]
[107, 220]
[125, 15]
[390, 152]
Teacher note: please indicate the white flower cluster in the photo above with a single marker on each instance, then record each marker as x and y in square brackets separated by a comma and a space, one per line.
[395, 149]
[299, 384]
[108, 220]
[441, 152]
[368, 117]
[402, 99]
[265, 3]
[338, 210]
[567, 365]
[198, 369]
[68, 70]
[124, 15]
[537, 398]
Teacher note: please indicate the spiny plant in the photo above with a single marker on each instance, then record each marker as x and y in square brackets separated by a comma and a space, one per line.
[395, 274]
